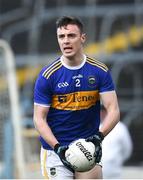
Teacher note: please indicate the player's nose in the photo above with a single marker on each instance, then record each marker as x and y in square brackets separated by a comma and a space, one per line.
[66, 40]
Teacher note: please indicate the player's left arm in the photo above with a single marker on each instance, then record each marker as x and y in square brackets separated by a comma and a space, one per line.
[110, 102]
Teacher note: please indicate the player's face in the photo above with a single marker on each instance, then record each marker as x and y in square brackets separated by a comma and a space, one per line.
[70, 40]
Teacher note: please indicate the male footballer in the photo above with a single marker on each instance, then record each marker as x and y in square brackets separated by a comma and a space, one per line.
[67, 99]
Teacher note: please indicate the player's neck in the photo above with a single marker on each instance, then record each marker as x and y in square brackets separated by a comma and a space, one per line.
[74, 60]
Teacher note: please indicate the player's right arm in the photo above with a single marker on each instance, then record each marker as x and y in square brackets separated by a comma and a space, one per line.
[40, 114]
[42, 101]
[40, 122]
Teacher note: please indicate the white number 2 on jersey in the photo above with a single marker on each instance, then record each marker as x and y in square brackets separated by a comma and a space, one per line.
[77, 83]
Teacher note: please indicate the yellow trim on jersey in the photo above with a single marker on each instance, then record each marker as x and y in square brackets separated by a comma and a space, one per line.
[50, 70]
[75, 101]
[53, 71]
[50, 67]
[97, 63]
[95, 60]
[44, 165]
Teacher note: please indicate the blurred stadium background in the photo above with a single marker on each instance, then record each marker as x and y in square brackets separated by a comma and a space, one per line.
[27, 32]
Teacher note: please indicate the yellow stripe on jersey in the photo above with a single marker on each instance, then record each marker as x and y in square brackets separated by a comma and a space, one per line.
[75, 101]
[54, 71]
[51, 69]
[100, 63]
[97, 63]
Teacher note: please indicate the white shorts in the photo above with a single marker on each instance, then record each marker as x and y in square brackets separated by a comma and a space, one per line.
[52, 167]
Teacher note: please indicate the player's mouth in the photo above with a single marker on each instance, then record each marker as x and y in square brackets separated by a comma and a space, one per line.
[68, 49]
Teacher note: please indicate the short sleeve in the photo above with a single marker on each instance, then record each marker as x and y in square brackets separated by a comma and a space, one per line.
[106, 82]
[42, 91]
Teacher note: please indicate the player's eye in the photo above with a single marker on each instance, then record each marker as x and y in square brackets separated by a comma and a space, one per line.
[61, 36]
[71, 35]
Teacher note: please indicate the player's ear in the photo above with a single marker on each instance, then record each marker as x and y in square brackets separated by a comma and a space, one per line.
[83, 37]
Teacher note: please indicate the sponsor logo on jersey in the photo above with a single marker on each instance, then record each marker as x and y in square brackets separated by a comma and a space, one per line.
[63, 84]
[62, 98]
[75, 101]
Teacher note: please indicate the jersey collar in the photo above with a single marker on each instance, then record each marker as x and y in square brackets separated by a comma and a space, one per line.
[73, 67]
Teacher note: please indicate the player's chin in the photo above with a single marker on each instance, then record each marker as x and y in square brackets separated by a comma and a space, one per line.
[69, 54]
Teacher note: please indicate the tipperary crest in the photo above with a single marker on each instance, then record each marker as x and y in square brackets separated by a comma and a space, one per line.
[91, 81]
[53, 171]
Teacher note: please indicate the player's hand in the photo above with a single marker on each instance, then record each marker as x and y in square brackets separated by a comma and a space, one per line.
[97, 140]
[60, 151]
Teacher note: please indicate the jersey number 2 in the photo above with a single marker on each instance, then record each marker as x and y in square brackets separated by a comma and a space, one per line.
[77, 83]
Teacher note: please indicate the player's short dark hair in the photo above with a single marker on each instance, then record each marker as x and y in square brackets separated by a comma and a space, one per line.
[65, 20]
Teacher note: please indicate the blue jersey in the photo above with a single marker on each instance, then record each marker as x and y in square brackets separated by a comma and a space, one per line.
[73, 96]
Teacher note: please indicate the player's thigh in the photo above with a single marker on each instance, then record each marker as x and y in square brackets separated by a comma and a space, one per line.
[52, 167]
[95, 173]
